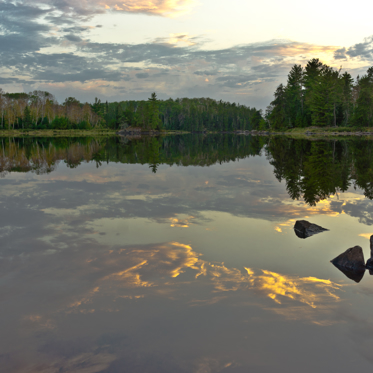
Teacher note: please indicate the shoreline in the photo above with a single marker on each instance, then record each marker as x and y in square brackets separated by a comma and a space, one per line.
[305, 133]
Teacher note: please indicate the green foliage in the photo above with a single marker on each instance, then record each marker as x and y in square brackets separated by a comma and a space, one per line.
[60, 123]
[38, 110]
[362, 115]
[196, 115]
[321, 96]
[27, 119]
[155, 122]
[277, 117]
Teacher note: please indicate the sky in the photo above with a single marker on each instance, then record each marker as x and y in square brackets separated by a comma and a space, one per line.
[237, 51]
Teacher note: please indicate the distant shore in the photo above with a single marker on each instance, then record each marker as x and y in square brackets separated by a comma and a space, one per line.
[309, 132]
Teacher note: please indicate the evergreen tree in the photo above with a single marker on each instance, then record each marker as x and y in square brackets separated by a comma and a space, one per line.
[27, 119]
[346, 96]
[311, 74]
[324, 98]
[277, 117]
[154, 120]
[363, 110]
[294, 96]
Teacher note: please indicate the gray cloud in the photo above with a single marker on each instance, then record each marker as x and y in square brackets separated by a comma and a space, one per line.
[340, 54]
[142, 75]
[81, 76]
[362, 50]
[72, 37]
[233, 73]
[207, 73]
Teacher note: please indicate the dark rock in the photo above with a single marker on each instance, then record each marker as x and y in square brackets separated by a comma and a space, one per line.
[352, 259]
[369, 264]
[351, 263]
[304, 229]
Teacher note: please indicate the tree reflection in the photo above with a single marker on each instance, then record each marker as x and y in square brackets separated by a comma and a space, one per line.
[312, 170]
[41, 155]
[315, 170]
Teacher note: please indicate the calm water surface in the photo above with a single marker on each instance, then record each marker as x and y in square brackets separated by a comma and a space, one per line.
[179, 255]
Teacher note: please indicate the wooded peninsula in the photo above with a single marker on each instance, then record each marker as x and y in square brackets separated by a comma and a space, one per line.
[316, 95]
[40, 110]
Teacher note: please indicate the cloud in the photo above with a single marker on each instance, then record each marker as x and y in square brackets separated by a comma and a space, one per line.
[208, 73]
[46, 45]
[178, 40]
[362, 50]
[142, 75]
[340, 54]
[86, 9]
[165, 8]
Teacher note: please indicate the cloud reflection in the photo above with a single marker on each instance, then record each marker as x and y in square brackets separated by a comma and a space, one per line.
[161, 269]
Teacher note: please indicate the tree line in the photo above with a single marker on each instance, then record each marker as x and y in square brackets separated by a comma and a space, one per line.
[40, 110]
[183, 114]
[319, 95]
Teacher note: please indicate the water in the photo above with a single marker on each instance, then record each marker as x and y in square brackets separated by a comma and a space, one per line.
[179, 255]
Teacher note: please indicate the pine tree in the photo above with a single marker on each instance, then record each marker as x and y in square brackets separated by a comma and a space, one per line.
[27, 119]
[325, 97]
[346, 99]
[154, 120]
[277, 117]
[294, 96]
[310, 75]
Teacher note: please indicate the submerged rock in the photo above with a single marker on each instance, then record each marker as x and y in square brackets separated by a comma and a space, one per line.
[304, 229]
[352, 259]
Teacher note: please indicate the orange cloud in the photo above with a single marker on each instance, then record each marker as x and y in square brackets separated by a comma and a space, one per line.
[366, 235]
[165, 8]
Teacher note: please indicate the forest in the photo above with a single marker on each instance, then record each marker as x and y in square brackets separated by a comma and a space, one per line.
[319, 95]
[40, 110]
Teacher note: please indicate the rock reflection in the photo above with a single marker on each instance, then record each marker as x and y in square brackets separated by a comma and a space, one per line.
[356, 276]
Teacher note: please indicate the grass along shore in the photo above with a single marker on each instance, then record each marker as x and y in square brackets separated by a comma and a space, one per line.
[57, 133]
[306, 132]
[99, 132]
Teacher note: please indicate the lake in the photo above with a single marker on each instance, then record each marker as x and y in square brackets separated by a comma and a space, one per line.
[179, 255]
